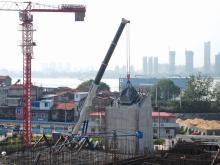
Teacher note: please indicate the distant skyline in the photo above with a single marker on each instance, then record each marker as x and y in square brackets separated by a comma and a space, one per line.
[157, 26]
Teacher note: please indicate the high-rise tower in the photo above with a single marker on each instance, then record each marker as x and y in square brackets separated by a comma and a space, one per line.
[207, 54]
[150, 65]
[145, 65]
[217, 64]
[155, 65]
[172, 62]
[189, 62]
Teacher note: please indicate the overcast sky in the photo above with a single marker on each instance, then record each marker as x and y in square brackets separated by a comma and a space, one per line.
[156, 26]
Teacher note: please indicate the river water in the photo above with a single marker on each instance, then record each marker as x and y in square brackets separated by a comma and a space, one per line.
[68, 82]
[73, 82]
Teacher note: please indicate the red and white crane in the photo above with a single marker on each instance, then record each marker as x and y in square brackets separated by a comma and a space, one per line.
[25, 10]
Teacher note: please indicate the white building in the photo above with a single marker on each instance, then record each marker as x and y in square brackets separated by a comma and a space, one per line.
[166, 127]
[79, 95]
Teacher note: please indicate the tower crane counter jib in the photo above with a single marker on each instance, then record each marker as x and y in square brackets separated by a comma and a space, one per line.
[93, 89]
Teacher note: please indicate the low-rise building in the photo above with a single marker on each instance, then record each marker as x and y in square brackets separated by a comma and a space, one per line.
[40, 115]
[164, 124]
[96, 122]
[63, 112]
[41, 110]
[167, 123]
[79, 95]
[140, 83]
[3, 95]
[15, 94]
[59, 96]
[5, 81]
[42, 105]
[7, 112]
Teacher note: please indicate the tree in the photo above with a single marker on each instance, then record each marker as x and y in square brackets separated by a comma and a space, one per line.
[166, 90]
[198, 88]
[216, 92]
[85, 86]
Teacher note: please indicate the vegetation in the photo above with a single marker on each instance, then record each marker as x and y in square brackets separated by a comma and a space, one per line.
[198, 88]
[166, 90]
[216, 93]
[181, 130]
[198, 96]
[11, 144]
[85, 86]
[14, 143]
[159, 141]
[98, 139]
[11, 140]
[36, 138]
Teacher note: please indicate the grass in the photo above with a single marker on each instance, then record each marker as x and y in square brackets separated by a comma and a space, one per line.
[11, 144]
[11, 141]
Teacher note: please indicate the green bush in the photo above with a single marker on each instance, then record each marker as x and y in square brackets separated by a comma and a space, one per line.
[189, 106]
[159, 141]
[181, 130]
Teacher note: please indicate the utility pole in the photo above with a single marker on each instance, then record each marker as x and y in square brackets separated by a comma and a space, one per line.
[157, 109]
[65, 111]
[180, 99]
[156, 97]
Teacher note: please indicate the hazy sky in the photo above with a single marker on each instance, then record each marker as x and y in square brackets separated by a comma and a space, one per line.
[156, 26]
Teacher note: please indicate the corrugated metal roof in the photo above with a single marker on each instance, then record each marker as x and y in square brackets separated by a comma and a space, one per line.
[97, 114]
[16, 86]
[4, 77]
[20, 86]
[48, 96]
[154, 114]
[163, 114]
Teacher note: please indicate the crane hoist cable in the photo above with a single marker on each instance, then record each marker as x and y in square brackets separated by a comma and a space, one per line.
[128, 51]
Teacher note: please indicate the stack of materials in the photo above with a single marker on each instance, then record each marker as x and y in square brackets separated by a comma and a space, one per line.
[200, 123]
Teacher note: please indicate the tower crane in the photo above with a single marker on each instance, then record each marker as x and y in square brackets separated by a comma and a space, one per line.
[25, 10]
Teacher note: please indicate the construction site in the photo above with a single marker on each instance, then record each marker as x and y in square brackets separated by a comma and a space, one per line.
[105, 153]
[127, 137]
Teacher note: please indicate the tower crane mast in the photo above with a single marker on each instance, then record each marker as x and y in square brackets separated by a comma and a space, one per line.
[25, 10]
